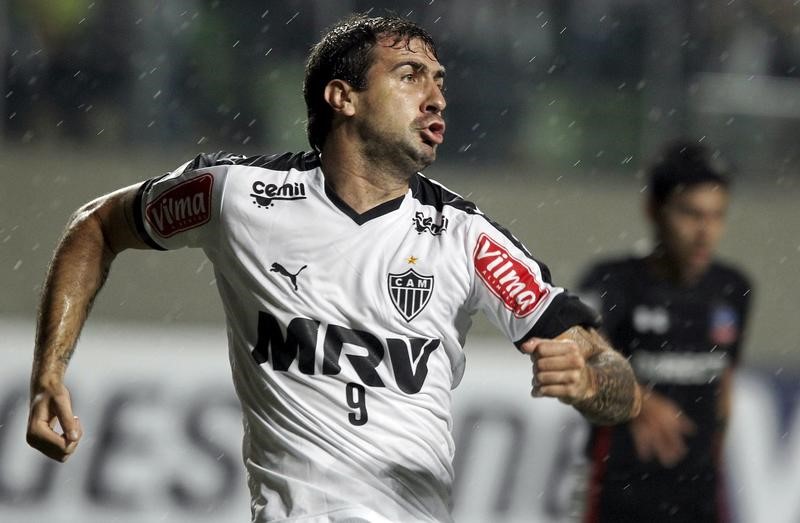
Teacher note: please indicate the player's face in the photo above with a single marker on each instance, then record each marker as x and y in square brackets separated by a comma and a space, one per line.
[690, 225]
[399, 114]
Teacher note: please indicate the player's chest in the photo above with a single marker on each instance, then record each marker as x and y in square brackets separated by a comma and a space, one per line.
[685, 321]
[399, 269]
[681, 338]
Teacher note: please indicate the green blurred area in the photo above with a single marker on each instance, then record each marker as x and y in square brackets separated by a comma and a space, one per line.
[566, 124]
[550, 83]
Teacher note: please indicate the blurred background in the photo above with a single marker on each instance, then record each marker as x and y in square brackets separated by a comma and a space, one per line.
[555, 108]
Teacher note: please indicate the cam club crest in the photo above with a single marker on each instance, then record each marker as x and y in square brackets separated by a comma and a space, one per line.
[410, 292]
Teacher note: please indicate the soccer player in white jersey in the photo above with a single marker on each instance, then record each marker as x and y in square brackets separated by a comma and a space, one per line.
[348, 281]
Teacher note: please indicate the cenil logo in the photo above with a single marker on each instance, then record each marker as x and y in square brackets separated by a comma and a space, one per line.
[183, 207]
[507, 277]
[264, 194]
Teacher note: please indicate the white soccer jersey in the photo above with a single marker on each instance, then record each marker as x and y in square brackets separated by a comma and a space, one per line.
[346, 331]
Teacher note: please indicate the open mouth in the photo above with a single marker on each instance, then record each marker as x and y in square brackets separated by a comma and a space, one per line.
[433, 134]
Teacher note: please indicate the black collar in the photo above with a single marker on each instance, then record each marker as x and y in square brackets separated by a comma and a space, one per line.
[375, 212]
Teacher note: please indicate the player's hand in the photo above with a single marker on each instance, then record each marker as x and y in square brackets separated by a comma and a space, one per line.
[559, 370]
[660, 430]
[49, 405]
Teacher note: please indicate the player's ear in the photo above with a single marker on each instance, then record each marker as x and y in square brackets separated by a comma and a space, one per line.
[339, 95]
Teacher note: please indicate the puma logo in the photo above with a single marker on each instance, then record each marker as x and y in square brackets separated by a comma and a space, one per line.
[280, 269]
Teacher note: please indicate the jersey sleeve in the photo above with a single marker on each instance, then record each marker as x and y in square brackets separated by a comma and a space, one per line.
[182, 208]
[515, 291]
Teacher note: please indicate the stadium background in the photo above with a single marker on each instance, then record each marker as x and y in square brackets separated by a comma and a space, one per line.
[554, 107]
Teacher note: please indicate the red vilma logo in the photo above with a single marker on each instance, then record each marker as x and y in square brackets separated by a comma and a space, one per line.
[183, 207]
[507, 277]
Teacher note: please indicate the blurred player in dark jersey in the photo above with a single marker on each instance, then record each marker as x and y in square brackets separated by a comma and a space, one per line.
[679, 314]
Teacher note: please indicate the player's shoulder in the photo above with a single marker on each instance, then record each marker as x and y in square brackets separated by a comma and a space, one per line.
[616, 268]
[727, 273]
[432, 193]
[301, 161]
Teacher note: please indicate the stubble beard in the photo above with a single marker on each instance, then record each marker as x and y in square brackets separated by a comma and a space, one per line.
[399, 155]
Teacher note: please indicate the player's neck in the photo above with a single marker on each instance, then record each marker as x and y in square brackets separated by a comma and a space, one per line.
[666, 267]
[361, 184]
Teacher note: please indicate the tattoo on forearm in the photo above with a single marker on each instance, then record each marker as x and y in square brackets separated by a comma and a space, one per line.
[615, 388]
[64, 357]
[616, 394]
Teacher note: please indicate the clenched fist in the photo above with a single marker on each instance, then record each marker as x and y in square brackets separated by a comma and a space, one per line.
[49, 405]
[560, 370]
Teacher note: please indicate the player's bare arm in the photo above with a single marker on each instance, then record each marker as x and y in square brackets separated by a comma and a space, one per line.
[95, 234]
[581, 369]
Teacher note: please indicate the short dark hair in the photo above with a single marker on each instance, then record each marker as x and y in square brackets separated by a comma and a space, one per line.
[682, 164]
[345, 53]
